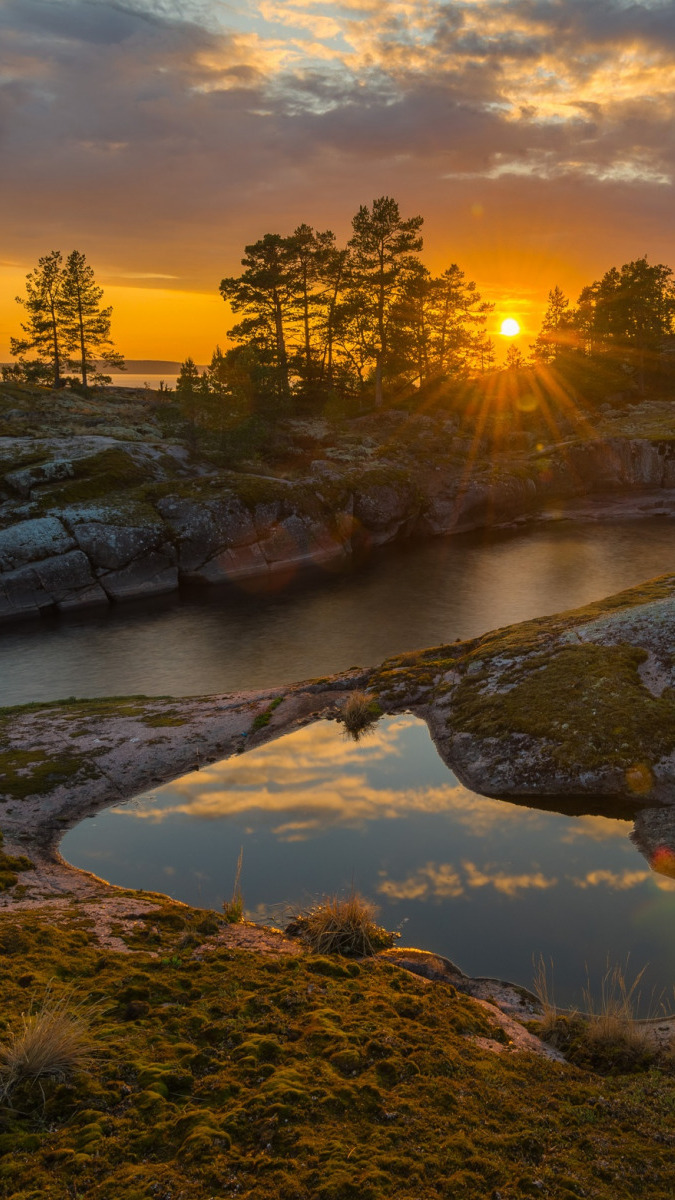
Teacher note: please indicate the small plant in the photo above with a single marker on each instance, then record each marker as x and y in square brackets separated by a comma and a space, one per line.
[342, 926]
[234, 908]
[53, 1041]
[359, 713]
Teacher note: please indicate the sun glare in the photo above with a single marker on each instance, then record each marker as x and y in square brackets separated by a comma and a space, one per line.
[509, 327]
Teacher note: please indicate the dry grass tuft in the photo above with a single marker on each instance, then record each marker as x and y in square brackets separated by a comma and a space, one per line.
[543, 990]
[359, 713]
[344, 926]
[55, 1040]
[608, 1036]
[234, 907]
[612, 1025]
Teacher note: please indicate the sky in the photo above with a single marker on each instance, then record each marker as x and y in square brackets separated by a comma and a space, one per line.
[536, 137]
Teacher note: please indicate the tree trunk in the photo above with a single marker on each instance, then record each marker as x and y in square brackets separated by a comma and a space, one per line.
[378, 381]
[82, 345]
[281, 346]
[55, 339]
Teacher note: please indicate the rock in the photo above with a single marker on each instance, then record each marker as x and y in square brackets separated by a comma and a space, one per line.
[64, 581]
[153, 574]
[200, 530]
[111, 547]
[30, 541]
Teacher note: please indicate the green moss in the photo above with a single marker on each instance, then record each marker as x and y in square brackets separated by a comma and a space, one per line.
[587, 700]
[258, 1077]
[34, 772]
[264, 718]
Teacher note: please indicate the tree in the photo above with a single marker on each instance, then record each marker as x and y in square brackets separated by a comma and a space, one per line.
[384, 261]
[43, 328]
[86, 326]
[262, 293]
[551, 338]
[628, 314]
[188, 389]
[514, 359]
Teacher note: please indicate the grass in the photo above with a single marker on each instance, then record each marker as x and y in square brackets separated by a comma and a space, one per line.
[54, 1041]
[359, 713]
[234, 907]
[343, 925]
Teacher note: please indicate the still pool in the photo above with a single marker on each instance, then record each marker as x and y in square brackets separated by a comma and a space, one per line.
[490, 884]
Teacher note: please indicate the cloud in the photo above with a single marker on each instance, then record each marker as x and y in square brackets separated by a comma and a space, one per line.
[164, 135]
[442, 881]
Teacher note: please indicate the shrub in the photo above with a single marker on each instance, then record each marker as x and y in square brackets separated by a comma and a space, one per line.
[55, 1040]
[359, 713]
[342, 926]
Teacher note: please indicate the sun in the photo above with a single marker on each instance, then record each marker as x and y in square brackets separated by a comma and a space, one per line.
[509, 327]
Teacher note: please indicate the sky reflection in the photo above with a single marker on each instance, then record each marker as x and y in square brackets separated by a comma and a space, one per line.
[488, 883]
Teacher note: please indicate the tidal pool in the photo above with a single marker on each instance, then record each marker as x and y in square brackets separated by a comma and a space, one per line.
[488, 883]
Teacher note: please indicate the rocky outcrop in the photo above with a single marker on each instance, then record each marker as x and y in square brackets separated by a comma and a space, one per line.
[95, 520]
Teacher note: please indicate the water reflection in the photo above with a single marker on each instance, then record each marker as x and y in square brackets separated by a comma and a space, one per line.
[486, 882]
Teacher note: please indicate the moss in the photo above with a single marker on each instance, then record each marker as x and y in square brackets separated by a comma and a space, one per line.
[11, 866]
[34, 772]
[264, 718]
[587, 701]
[259, 1077]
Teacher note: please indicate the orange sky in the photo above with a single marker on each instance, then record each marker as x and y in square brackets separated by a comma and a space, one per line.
[159, 137]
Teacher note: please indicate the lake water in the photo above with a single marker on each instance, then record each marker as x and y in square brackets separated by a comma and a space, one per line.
[404, 598]
[486, 882]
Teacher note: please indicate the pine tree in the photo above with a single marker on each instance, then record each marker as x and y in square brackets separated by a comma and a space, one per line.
[551, 337]
[384, 251]
[44, 326]
[86, 325]
[514, 359]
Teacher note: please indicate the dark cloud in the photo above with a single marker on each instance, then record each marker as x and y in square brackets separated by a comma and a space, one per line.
[147, 133]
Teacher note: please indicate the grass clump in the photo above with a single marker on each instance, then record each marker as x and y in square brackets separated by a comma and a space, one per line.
[359, 713]
[234, 907]
[53, 1041]
[343, 925]
[608, 1037]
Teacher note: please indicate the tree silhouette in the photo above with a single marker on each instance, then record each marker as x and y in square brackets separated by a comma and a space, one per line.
[556, 322]
[262, 293]
[384, 262]
[43, 328]
[86, 326]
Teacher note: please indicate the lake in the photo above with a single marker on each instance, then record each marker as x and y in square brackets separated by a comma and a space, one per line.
[486, 882]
